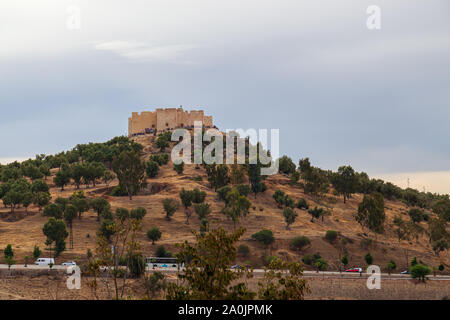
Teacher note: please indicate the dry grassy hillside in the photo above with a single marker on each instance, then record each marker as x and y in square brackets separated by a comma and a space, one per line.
[24, 231]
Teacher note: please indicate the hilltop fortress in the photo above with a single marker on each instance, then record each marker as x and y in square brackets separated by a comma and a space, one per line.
[148, 122]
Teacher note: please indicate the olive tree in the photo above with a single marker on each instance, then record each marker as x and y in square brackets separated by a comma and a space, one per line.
[130, 171]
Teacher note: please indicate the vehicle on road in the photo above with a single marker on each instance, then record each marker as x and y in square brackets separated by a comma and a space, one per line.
[354, 270]
[156, 262]
[69, 263]
[237, 267]
[44, 261]
[405, 272]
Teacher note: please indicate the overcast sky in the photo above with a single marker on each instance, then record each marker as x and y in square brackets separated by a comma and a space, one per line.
[339, 92]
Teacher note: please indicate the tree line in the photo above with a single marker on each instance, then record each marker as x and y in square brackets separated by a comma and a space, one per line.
[346, 182]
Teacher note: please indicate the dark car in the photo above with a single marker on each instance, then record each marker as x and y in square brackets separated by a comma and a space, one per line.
[405, 272]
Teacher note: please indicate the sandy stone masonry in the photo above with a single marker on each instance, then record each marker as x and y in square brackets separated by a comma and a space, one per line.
[148, 122]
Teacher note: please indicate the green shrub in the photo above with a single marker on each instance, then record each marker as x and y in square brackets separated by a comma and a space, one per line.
[307, 259]
[420, 271]
[202, 210]
[161, 159]
[198, 196]
[222, 193]
[122, 261]
[106, 228]
[243, 189]
[179, 168]
[243, 250]
[286, 165]
[391, 266]
[264, 236]
[152, 168]
[161, 252]
[136, 265]
[344, 260]
[170, 207]
[294, 177]
[8, 252]
[289, 202]
[107, 214]
[300, 242]
[269, 259]
[289, 216]
[138, 213]
[316, 256]
[283, 199]
[36, 252]
[316, 213]
[302, 204]
[417, 215]
[368, 258]
[204, 224]
[118, 191]
[320, 264]
[122, 213]
[89, 253]
[154, 234]
[262, 187]
[279, 197]
[331, 235]
[440, 245]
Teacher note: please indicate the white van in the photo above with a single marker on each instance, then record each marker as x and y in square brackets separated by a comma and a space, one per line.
[44, 261]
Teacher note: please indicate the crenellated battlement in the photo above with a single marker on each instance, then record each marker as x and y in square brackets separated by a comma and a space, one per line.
[163, 119]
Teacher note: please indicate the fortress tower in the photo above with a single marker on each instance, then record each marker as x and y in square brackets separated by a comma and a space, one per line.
[165, 119]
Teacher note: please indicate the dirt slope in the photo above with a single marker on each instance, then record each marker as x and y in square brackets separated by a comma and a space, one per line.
[24, 233]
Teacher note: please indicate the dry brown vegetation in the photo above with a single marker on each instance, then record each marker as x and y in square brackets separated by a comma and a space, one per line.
[24, 231]
[53, 287]
[390, 289]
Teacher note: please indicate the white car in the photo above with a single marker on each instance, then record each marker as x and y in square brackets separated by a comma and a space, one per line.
[69, 263]
[44, 261]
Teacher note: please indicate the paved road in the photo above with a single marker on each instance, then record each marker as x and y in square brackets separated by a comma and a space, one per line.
[307, 274]
[353, 275]
[334, 274]
[31, 267]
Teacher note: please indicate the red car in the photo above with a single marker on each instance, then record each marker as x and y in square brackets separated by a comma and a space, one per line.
[354, 270]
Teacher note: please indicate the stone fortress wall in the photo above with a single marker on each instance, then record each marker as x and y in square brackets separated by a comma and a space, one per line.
[165, 119]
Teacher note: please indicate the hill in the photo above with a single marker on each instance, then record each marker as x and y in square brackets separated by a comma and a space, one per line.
[24, 229]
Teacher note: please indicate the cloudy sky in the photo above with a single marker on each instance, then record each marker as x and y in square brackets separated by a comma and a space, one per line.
[339, 92]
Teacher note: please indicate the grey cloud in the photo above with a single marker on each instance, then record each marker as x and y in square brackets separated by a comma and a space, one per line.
[338, 92]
